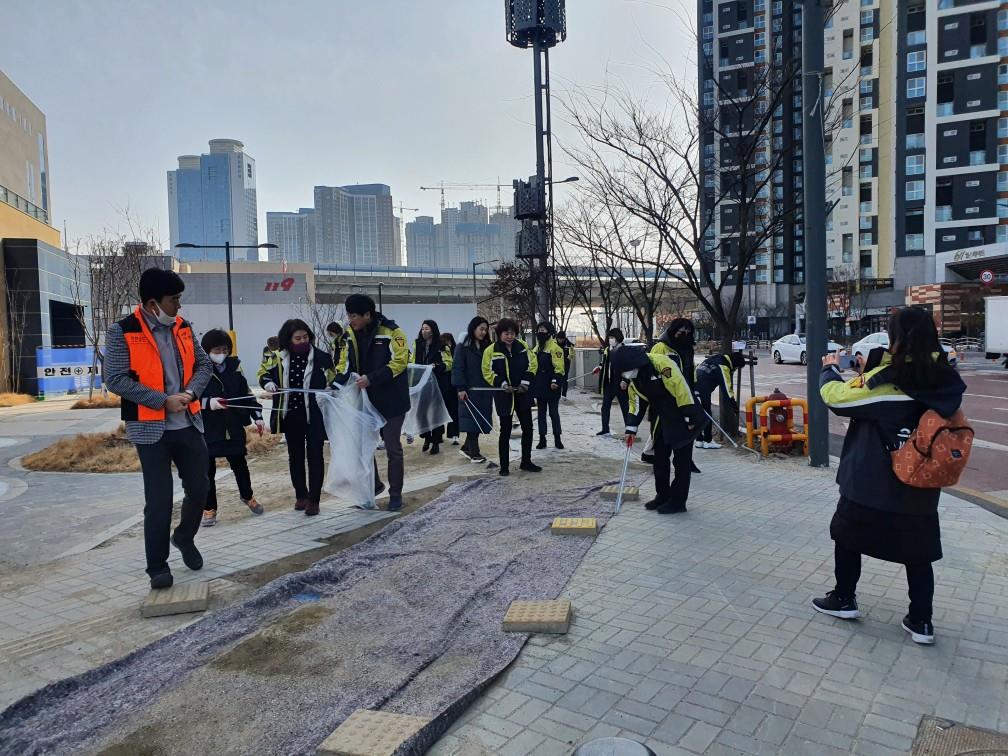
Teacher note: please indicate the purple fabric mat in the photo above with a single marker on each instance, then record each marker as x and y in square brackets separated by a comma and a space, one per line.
[407, 621]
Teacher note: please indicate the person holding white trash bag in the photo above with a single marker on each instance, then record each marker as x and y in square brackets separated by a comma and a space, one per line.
[224, 425]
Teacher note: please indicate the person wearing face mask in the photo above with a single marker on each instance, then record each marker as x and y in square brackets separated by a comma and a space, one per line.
[427, 350]
[676, 422]
[153, 362]
[295, 413]
[375, 351]
[678, 343]
[548, 379]
[610, 381]
[714, 373]
[269, 357]
[334, 337]
[509, 365]
[224, 424]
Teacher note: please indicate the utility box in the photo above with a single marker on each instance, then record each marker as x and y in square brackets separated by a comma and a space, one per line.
[996, 333]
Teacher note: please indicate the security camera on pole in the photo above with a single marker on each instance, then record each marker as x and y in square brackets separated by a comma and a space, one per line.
[539, 24]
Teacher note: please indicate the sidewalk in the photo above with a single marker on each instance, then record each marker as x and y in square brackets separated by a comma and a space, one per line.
[694, 634]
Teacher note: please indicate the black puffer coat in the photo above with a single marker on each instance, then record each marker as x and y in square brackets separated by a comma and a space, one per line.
[224, 430]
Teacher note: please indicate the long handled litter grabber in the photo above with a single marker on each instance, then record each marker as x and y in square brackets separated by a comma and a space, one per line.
[622, 480]
[725, 434]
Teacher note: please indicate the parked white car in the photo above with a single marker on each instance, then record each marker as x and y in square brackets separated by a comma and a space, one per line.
[791, 348]
[881, 339]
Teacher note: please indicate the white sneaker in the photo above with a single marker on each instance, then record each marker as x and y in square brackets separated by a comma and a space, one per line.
[454, 441]
[712, 445]
[700, 445]
[381, 445]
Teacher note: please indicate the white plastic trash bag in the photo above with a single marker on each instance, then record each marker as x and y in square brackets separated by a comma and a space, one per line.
[352, 424]
[427, 408]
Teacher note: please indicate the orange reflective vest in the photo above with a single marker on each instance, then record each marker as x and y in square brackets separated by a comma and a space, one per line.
[146, 367]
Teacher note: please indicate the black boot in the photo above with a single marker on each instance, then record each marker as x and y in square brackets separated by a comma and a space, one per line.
[656, 502]
[435, 449]
[426, 444]
[542, 443]
[529, 466]
[558, 443]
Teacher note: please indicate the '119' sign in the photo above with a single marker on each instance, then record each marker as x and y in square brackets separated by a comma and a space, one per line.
[286, 285]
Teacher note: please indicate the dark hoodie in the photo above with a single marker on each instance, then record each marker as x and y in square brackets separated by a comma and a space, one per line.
[224, 430]
[882, 417]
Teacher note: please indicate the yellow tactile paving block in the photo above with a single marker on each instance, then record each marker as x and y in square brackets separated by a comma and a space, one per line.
[179, 599]
[371, 733]
[538, 617]
[630, 493]
[581, 526]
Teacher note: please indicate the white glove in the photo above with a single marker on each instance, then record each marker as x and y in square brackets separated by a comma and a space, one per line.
[259, 426]
[271, 387]
[217, 403]
[506, 387]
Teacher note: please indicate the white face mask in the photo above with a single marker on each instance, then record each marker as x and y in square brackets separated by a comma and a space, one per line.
[218, 359]
[630, 374]
[613, 343]
[163, 317]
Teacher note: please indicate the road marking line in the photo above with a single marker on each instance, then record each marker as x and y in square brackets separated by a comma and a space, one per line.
[984, 396]
[988, 422]
[989, 445]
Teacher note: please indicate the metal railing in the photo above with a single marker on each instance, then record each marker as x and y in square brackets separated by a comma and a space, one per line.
[18, 202]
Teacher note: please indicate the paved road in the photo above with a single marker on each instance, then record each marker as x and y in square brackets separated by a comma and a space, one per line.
[45, 515]
[985, 403]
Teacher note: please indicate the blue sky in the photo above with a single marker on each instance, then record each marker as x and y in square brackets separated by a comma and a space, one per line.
[332, 92]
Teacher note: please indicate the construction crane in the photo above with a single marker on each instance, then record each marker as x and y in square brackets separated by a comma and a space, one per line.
[447, 186]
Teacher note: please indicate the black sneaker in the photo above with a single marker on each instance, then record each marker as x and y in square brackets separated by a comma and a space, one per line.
[435, 449]
[503, 472]
[542, 443]
[426, 445]
[161, 580]
[530, 466]
[190, 554]
[670, 508]
[559, 444]
[467, 454]
[920, 632]
[647, 458]
[835, 606]
[656, 502]
[604, 434]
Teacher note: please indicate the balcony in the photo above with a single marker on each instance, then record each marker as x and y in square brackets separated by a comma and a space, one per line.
[20, 203]
[865, 208]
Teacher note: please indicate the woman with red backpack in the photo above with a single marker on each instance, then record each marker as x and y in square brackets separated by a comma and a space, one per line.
[878, 514]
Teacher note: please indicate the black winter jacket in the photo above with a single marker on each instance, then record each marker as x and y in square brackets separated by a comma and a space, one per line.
[318, 376]
[380, 352]
[882, 417]
[224, 430]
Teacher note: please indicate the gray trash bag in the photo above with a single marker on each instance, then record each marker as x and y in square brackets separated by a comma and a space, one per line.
[352, 424]
[427, 408]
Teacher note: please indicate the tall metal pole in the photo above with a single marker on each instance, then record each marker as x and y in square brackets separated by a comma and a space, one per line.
[227, 268]
[475, 304]
[815, 227]
[539, 271]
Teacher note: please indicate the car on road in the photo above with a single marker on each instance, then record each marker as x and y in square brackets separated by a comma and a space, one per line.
[791, 348]
[881, 339]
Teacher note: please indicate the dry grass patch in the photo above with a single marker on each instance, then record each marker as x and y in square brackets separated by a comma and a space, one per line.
[113, 453]
[88, 453]
[97, 402]
[10, 399]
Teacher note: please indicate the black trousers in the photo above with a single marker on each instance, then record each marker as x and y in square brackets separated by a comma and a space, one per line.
[435, 436]
[523, 409]
[239, 466]
[608, 394]
[550, 402]
[392, 435]
[920, 581]
[471, 444]
[304, 442]
[705, 389]
[672, 490]
[187, 449]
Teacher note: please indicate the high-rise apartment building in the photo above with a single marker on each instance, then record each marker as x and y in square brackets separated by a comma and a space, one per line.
[916, 141]
[212, 199]
[355, 225]
[24, 159]
[293, 234]
[466, 234]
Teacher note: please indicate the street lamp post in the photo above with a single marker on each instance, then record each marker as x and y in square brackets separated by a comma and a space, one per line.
[481, 262]
[227, 247]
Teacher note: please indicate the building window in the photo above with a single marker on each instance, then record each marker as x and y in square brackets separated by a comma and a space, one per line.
[1003, 154]
[865, 239]
[916, 61]
[915, 141]
[915, 190]
[867, 34]
[915, 241]
[867, 17]
[1002, 181]
[975, 235]
[1003, 99]
[1002, 234]
[916, 38]
[866, 172]
[916, 87]
[915, 164]
[943, 213]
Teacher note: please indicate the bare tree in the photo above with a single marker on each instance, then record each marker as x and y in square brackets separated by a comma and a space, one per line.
[107, 269]
[319, 314]
[18, 301]
[515, 285]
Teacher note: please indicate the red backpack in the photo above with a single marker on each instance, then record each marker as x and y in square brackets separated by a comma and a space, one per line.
[936, 453]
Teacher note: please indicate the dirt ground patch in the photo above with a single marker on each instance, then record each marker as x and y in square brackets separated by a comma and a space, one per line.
[98, 402]
[9, 399]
